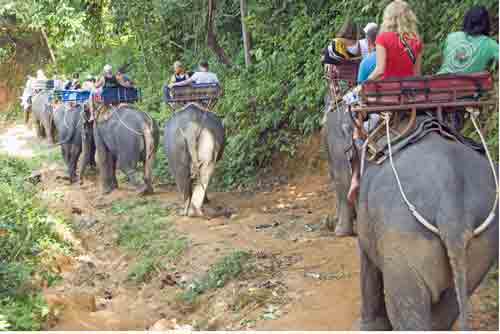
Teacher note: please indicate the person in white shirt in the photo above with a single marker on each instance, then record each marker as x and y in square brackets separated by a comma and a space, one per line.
[40, 75]
[364, 44]
[203, 76]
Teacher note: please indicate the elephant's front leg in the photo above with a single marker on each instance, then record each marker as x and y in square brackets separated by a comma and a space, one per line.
[345, 222]
[373, 312]
[74, 155]
[27, 112]
[106, 171]
[86, 152]
[40, 130]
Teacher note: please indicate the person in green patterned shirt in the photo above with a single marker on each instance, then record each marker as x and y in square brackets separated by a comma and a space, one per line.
[470, 50]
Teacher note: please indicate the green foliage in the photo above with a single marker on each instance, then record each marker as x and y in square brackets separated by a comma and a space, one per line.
[24, 313]
[147, 234]
[4, 325]
[267, 107]
[226, 269]
[26, 232]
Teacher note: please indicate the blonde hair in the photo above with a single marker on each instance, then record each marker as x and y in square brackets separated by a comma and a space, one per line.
[399, 18]
[178, 64]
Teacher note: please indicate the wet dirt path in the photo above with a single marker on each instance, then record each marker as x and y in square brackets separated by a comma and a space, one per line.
[313, 276]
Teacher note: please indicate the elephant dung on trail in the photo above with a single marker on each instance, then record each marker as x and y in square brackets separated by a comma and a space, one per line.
[42, 116]
[193, 143]
[70, 125]
[124, 137]
[412, 278]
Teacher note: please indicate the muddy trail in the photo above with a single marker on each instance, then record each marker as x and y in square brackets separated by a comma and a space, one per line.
[271, 264]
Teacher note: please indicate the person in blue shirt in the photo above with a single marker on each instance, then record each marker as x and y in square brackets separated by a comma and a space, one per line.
[370, 61]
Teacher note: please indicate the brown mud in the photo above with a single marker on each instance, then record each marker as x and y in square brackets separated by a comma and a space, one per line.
[304, 277]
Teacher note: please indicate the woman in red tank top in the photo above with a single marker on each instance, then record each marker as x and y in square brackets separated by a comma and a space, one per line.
[399, 54]
[399, 48]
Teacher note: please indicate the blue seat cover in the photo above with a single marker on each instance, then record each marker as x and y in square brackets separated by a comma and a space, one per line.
[112, 95]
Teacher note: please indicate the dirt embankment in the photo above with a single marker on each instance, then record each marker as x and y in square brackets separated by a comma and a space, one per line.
[26, 52]
[138, 264]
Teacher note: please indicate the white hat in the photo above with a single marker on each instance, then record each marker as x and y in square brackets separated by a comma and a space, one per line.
[107, 68]
[369, 27]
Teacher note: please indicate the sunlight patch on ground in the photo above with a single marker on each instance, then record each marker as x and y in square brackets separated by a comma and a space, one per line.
[16, 141]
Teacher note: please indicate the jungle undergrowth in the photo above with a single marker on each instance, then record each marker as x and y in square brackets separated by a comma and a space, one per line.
[145, 231]
[28, 244]
[228, 268]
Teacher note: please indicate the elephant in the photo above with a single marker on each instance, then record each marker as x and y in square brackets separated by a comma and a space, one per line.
[124, 136]
[193, 143]
[41, 109]
[70, 124]
[414, 277]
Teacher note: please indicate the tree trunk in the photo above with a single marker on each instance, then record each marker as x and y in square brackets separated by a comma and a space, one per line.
[212, 37]
[245, 33]
[51, 52]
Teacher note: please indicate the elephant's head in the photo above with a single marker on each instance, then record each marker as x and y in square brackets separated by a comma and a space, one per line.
[339, 130]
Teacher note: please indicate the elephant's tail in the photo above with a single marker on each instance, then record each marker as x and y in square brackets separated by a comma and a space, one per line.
[456, 244]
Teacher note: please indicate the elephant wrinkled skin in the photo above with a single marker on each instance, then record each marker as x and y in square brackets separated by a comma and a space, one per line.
[411, 278]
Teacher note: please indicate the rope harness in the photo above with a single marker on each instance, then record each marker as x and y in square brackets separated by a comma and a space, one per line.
[114, 111]
[477, 231]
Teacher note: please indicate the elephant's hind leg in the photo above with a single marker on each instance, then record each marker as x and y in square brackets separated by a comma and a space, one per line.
[75, 151]
[207, 156]
[373, 312]
[407, 298]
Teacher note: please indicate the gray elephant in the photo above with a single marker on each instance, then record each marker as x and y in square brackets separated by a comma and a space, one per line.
[41, 109]
[70, 123]
[193, 143]
[413, 278]
[124, 136]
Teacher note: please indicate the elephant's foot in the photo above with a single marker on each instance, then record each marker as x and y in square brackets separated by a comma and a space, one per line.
[377, 324]
[108, 189]
[92, 170]
[195, 212]
[344, 230]
[145, 190]
[114, 183]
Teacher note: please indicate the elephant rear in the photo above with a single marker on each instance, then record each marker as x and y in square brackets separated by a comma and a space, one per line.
[193, 143]
[452, 187]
